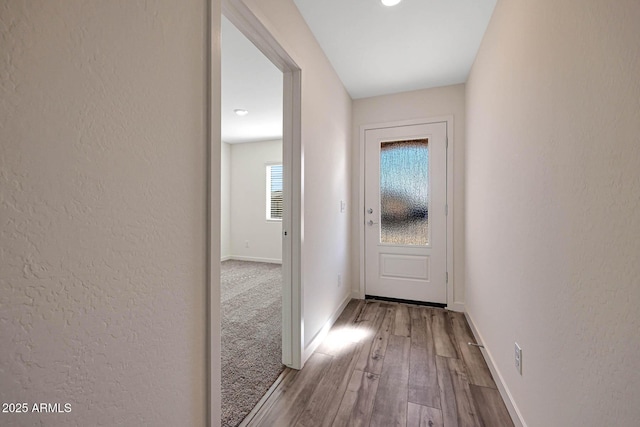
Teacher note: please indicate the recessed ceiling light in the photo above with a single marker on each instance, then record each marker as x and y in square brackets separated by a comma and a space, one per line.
[240, 112]
[390, 2]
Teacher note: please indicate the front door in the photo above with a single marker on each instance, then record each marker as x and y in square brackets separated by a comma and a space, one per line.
[405, 216]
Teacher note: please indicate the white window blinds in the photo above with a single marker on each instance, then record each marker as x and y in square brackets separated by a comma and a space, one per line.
[274, 192]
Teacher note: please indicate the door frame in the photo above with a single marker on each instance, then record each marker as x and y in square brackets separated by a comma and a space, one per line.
[252, 28]
[449, 192]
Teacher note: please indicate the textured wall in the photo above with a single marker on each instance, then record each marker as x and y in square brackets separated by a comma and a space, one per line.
[418, 104]
[553, 207]
[249, 200]
[326, 141]
[102, 211]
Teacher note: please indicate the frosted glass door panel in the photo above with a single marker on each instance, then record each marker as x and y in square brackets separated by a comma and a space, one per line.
[404, 192]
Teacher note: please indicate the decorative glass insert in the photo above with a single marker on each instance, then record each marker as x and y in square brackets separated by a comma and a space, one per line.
[274, 192]
[404, 192]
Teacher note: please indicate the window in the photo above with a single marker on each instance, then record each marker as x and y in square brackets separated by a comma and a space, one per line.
[274, 192]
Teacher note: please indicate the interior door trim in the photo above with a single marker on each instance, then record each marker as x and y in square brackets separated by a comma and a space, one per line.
[361, 207]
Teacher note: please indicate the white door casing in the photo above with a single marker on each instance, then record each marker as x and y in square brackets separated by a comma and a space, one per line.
[409, 264]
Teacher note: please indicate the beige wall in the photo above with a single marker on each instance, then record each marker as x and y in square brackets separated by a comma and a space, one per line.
[103, 211]
[448, 100]
[326, 144]
[553, 207]
[248, 202]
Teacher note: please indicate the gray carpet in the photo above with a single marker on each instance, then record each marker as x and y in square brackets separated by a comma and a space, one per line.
[251, 297]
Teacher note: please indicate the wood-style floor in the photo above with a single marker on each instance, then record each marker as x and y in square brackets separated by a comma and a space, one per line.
[386, 364]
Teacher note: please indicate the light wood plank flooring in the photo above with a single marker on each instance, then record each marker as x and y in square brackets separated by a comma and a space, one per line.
[387, 364]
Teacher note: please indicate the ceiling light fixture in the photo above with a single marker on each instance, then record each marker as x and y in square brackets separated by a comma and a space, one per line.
[390, 2]
[240, 112]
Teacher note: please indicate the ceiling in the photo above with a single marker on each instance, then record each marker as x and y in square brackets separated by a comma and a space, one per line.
[417, 44]
[250, 82]
[375, 50]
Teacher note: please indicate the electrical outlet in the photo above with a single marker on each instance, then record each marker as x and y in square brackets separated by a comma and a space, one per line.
[518, 358]
[343, 206]
[339, 280]
[246, 243]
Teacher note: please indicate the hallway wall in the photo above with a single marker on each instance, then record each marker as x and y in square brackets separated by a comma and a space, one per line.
[103, 180]
[553, 207]
[326, 151]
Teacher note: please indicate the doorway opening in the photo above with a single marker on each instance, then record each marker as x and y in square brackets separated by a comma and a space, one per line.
[260, 222]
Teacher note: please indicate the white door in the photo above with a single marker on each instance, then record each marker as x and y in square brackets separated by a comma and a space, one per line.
[405, 217]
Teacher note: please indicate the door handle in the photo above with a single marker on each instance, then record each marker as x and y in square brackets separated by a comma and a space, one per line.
[371, 222]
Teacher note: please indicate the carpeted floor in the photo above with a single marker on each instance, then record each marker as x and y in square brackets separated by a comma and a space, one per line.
[251, 297]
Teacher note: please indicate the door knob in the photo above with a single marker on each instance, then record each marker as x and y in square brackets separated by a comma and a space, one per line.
[370, 210]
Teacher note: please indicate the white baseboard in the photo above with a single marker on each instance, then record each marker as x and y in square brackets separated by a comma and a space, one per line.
[322, 333]
[356, 294]
[225, 258]
[516, 416]
[255, 259]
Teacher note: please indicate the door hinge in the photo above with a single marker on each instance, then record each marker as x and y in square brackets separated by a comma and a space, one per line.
[447, 277]
[446, 209]
[447, 145]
